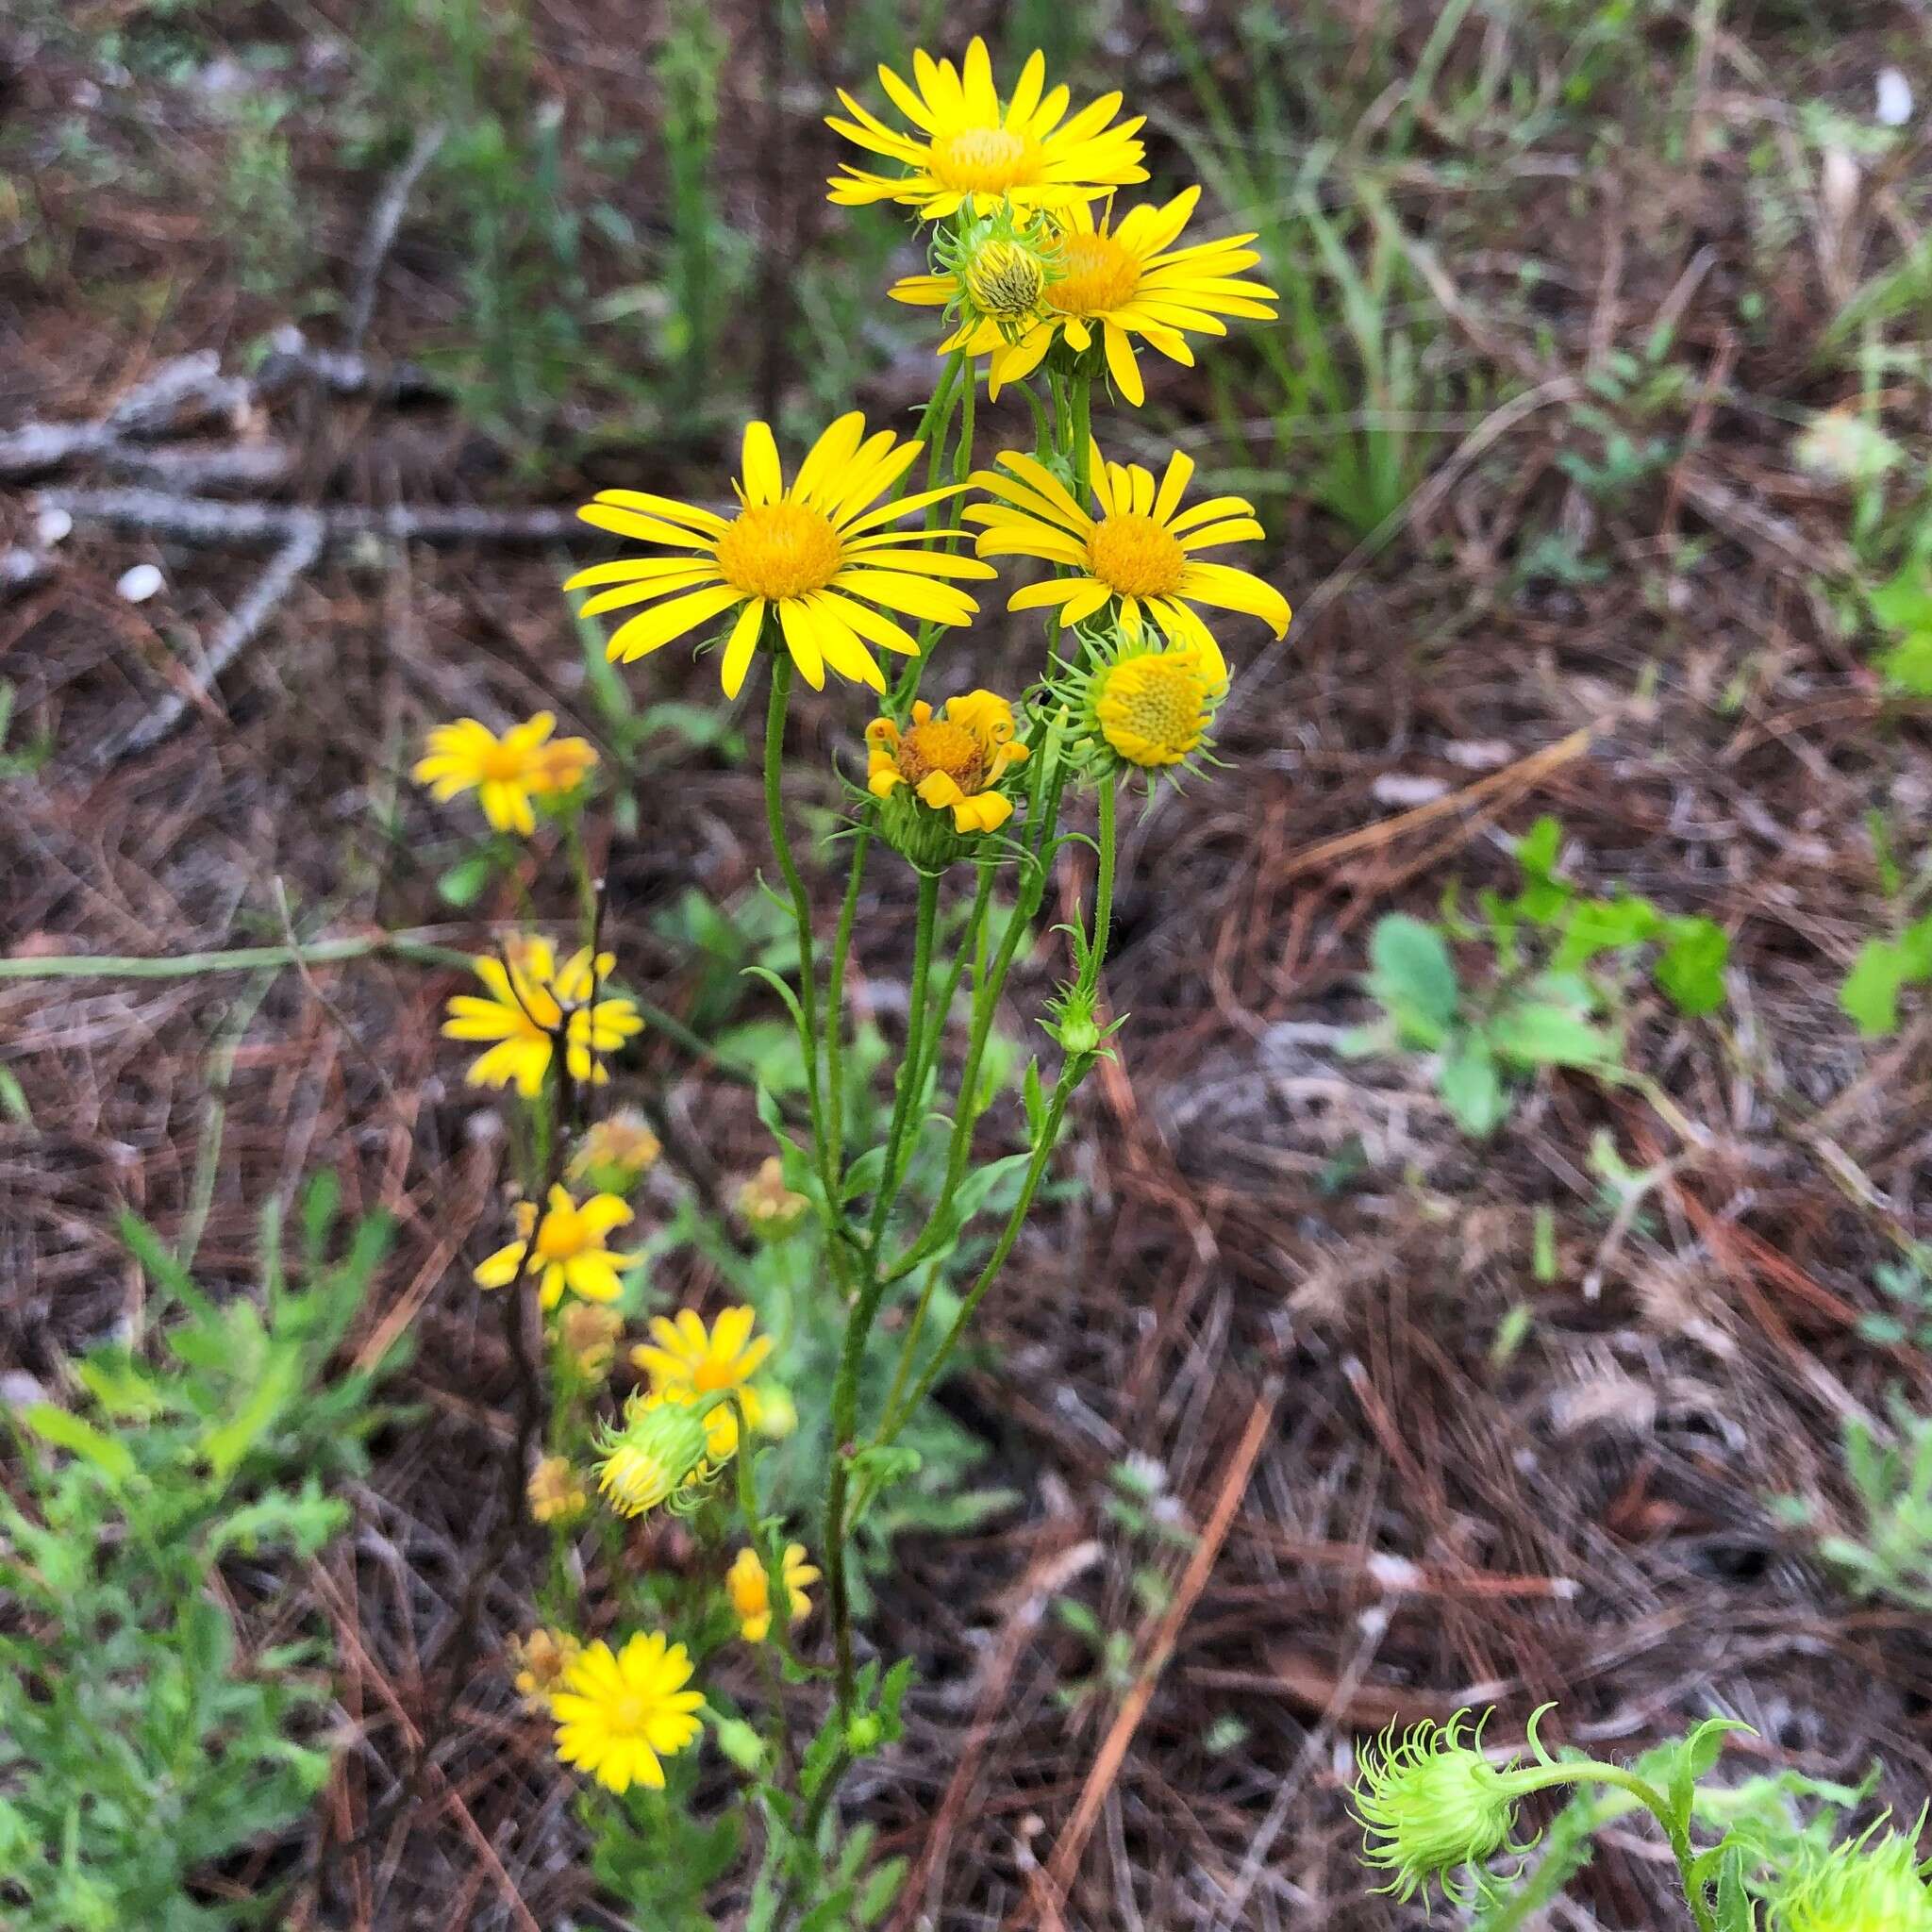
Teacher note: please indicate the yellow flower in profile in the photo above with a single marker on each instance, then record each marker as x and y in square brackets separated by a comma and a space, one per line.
[1141, 549]
[505, 773]
[967, 146]
[540, 1661]
[531, 1001]
[1117, 280]
[684, 1361]
[750, 1590]
[952, 757]
[619, 1714]
[565, 1249]
[814, 552]
[554, 1492]
[660, 1455]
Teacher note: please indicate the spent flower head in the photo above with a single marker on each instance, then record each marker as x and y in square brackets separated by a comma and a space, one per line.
[1858, 1887]
[1432, 1806]
[554, 1492]
[953, 762]
[539, 1662]
[616, 1153]
[588, 1335]
[770, 1209]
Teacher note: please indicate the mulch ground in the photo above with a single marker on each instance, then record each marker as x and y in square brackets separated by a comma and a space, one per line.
[1280, 1262]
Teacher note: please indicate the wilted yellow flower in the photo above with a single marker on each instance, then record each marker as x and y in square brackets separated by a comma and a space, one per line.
[616, 1152]
[771, 1208]
[967, 146]
[750, 1590]
[505, 773]
[1140, 549]
[684, 1362]
[565, 1249]
[1116, 280]
[619, 1714]
[554, 1492]
[813, 551]
[953, 759]
[589, 1334]
[540, 1661]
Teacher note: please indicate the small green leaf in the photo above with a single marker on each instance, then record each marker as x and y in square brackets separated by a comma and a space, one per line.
[1869, 997]
[1412, 974]
[1472, 1089]
[68, 1431]
[1534, 1033]
[468, 879]
[1691, 970]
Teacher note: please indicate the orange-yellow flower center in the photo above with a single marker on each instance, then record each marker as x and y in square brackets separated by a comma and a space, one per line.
[1135, 557]
[559, 1235]
[1096, 275]
[940, 745]
[714, 1372]
[984, 161]
[1152, 710]
[505, 760]
[779, 550]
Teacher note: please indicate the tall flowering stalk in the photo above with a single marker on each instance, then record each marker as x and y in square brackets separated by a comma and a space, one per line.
[859, 560]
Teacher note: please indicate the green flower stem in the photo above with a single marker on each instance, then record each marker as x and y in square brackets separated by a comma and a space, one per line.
[399, 945]
[1070, 1075]
[907, 1096]
[909, 1347]
[801, 912]
[1103, 883]
[1082, 438]
[934, 424]
[835, 999]
[1593, 1770]
[971, 946]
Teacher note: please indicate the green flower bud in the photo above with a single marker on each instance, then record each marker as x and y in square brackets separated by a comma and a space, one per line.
[1430, 1806]
[863, 1734]
[659, 1455]
[1858, 1887]
[740, 1743]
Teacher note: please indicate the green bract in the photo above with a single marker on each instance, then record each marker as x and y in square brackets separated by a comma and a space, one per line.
[1858, 1887]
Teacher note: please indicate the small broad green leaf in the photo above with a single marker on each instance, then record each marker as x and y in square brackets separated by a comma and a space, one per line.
[1602, 926]
[1691, 969]
[1903, 602]
[1535, 851]
[1412, 974]
[1534, 1033]
[878, 1891]
[13, 1101]
[1471, 1087]
[468, 879]
[66, 1430]
[1869, 997]
[1908, 665]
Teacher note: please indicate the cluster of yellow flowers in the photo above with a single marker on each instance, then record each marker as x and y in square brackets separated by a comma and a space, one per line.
[1033, 266]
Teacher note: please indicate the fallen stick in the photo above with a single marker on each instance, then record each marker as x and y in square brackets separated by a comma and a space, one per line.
[387, 217]
[205, 519]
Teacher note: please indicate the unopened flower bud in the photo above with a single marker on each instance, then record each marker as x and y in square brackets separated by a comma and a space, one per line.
[659, 1456]
[1858, 1887]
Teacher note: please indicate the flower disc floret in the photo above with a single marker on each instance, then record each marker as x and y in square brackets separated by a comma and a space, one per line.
[1431, 1807]
[966, 145]
[621, 1714]
[1135, 550]
[814, 562]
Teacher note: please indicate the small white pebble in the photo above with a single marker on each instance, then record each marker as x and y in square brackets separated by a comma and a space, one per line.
[1479, 754]
[1399, 787]
[1388, 1571]
[1894, 98]
[53, 525]
[139, 584]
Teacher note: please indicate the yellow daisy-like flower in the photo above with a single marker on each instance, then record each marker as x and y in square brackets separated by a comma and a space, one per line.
[967, 146]
[750, 1590]
[505, 773]
[554, 1492]
[686, 1361]
[954, 756]
[1117, 279]
[813, 551]
[1141, 549]
[531, 1001]
[565, 1250]
[540, 1661]
[619, 1714]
